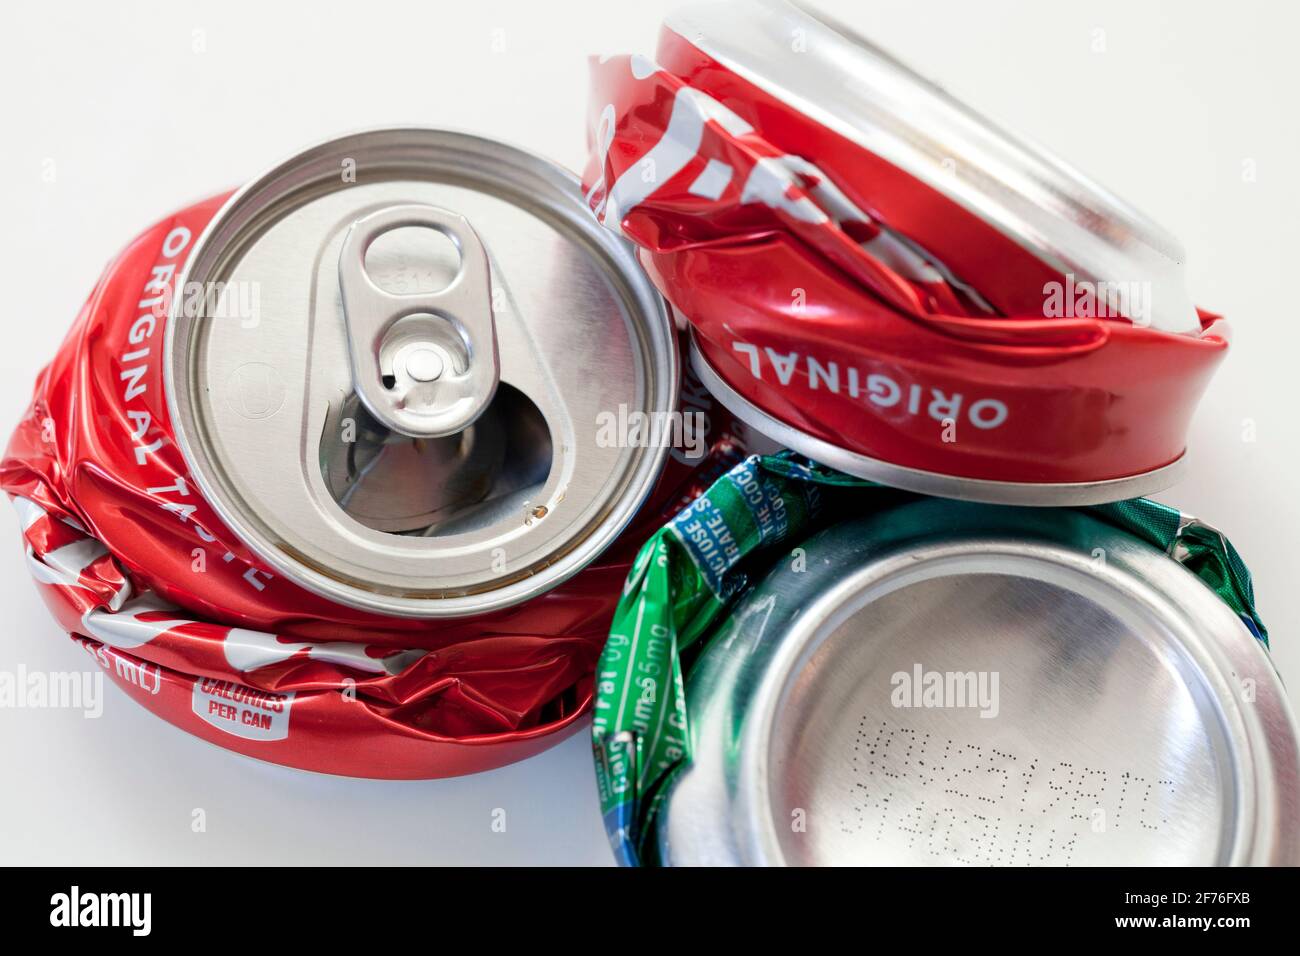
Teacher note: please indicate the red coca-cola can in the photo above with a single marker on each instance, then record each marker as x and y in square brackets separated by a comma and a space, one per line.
[345, 470]
[879, 278]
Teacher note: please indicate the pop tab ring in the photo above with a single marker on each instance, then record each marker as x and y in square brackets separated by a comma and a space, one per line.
[1005, 332]
[409, 380]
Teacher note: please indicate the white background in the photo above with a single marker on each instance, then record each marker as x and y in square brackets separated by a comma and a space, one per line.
[144, 109]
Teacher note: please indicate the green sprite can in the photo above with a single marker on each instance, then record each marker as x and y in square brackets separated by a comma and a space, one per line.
[807, 668]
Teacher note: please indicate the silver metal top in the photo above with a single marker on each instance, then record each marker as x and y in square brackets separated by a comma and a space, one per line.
[962, 684]
[856, 89]
[1024, 493]
[370, 328]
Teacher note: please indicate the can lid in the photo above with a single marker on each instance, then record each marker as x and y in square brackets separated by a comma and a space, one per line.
[858, 91]
[405, 424]
[960, 684]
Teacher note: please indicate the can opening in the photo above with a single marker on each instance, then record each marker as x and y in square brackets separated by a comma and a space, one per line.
[430, 487]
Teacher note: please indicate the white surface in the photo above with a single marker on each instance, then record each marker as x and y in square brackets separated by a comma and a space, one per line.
[143, 111]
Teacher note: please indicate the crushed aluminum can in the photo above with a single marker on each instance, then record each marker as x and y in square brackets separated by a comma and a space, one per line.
[930, 681]
[322, 493]
[420, 466]
[881, 279]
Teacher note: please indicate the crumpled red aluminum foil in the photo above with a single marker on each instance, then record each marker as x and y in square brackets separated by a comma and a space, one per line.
[822, 285]
[139, 569]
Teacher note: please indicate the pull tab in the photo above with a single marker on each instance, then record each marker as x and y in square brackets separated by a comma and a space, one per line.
[424, 364]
